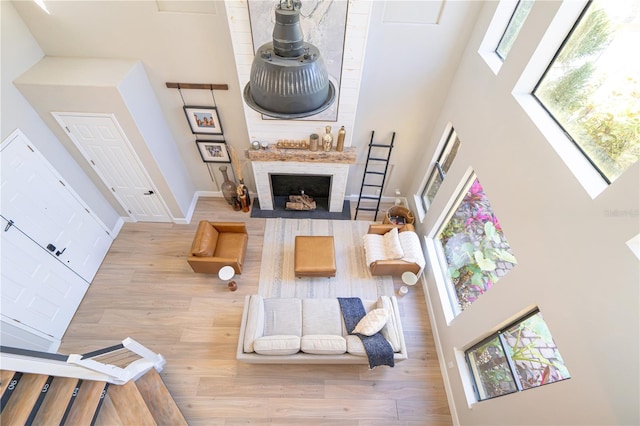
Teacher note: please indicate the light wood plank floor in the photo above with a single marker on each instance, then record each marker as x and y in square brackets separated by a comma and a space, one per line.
[146, 290]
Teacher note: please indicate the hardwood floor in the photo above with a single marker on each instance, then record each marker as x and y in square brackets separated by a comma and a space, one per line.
[146, 290]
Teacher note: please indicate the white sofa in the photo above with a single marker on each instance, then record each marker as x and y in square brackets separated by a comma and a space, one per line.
[309, 331]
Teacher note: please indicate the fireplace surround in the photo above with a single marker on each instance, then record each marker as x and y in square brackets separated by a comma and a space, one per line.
[278, 161]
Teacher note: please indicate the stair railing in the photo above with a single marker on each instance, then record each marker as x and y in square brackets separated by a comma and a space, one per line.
[115, 364]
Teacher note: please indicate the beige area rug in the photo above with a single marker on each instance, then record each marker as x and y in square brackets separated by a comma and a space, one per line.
[352, 279]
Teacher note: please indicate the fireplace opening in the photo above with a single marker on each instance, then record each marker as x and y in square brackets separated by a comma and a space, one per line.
[316, 186]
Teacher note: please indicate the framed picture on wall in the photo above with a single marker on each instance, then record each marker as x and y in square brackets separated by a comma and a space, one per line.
[213, 151]
[203, 120]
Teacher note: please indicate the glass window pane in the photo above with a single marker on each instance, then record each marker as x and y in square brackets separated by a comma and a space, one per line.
[433, 184]
[592, 88]
[476, 250]
[513, 27]
[534, 353]
[490, 370]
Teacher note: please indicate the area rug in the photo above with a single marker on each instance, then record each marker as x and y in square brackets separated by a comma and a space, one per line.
[353, 278]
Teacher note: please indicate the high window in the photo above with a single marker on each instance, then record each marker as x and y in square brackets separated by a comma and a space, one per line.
[472, 248]
[440, 168]
[592, 86]
[520, 357]
[510, 34]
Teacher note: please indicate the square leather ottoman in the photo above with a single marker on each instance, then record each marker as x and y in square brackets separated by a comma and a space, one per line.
[314, 256]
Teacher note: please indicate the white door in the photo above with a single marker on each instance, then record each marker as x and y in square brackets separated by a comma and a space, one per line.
[37, 290]
[103, 144]
[39, 203]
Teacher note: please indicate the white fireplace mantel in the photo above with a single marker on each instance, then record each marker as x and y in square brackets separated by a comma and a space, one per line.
[273, 161]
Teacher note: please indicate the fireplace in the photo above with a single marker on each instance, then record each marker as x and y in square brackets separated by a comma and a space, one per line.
[316, 186]
[332, 166]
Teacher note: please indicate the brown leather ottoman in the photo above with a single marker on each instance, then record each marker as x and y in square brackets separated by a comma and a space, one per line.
[314, 256]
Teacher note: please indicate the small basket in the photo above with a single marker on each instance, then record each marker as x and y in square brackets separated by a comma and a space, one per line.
[399, 211]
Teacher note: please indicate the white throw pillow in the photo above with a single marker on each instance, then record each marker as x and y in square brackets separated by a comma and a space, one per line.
[373, 322]
[392, 245]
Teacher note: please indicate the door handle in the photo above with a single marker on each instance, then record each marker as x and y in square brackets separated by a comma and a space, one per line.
[58, 253]
[148, 193]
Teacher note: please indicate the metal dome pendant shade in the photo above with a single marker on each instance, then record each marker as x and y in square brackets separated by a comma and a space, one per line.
[288, 76]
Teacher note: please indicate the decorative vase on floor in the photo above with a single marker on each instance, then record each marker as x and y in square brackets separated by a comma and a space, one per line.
[228, 187]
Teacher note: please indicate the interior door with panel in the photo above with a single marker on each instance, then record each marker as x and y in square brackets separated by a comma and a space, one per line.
[41, 204]
[104, 145]
[37, 290]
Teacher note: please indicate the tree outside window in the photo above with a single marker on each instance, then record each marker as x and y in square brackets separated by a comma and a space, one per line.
[592, 88]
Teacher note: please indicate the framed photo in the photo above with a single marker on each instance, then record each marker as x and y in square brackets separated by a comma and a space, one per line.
[213, 151]
[203, 120]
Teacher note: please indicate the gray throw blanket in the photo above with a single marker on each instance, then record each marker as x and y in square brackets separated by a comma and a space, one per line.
[379, 351]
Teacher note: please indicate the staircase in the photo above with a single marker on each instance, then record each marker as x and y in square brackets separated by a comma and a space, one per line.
[33, 398]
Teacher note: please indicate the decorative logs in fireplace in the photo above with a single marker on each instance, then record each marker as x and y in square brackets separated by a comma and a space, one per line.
[300, 202]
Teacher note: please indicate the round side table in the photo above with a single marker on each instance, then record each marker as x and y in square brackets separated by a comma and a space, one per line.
[226, 273]
[409, 279]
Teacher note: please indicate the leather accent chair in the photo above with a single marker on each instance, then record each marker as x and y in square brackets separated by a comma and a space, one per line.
[218, 244]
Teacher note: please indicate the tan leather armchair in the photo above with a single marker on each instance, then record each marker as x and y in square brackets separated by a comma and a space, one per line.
[391, 267]
[218, 244]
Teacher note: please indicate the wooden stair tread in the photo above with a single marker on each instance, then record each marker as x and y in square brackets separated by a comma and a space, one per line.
[163, 407]
[56, 402]
[5, 379]
[23, 399]
[108, 415]
[130, 404]
[86, 403]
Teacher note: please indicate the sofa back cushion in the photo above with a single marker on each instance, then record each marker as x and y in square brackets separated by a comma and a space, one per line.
[282, 317]
[321, 316]
[204, 243]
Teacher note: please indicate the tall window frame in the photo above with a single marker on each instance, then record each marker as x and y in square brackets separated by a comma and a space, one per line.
[440, 168]
[576, 133]
[530, 359]
[511, 31]
[496, 30]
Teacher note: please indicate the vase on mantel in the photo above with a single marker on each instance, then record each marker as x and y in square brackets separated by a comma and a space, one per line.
[227, 187]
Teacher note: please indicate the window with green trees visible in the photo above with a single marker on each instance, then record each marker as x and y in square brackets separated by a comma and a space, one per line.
[520, 357]
[472, 248]
[592, 87]
[520, 13]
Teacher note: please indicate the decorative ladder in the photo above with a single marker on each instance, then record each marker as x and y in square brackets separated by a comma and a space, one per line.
[119, 385]
[374, 174]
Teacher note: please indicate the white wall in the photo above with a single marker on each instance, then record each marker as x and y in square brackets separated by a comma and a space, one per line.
[19, 52]
[573, 262]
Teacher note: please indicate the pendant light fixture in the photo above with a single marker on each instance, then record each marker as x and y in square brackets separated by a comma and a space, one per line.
[289, 79]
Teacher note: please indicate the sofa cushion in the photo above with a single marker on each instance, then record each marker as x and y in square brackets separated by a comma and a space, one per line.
[355, 346]
[204, 243]
[390, 329]
[282, 316]
[392, 247]
[277, 345]
[323, 344]
[372, 322]
[255, 322]
[321, 316]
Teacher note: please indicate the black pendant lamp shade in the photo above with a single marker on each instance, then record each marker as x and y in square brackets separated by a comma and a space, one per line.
[288, 76]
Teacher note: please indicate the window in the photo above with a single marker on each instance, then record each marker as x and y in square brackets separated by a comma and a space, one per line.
[513, 27]
[440, 169]
[472, 248]
[521, 357]
[592, 87]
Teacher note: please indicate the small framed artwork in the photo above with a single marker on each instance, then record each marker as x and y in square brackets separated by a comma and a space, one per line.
[213, 151]
[203, 120]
